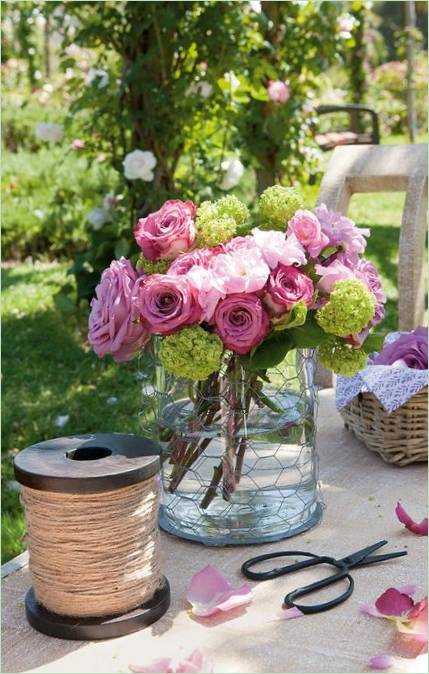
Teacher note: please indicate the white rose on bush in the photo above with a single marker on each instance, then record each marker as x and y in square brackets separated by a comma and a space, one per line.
[139, 164]
[51, 133]
[233, 170]
[97, 75]
[232, 80]
[203, 88]
[98, 217]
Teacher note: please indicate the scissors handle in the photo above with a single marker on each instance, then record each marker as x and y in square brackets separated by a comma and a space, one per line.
[290, 598]
[283, 570]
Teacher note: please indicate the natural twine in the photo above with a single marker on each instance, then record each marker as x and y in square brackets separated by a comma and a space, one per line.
[93, 554]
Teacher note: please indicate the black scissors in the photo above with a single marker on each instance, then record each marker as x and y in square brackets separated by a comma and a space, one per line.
[342, 566]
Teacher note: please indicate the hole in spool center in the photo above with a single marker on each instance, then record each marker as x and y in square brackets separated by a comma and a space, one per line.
[88, 453]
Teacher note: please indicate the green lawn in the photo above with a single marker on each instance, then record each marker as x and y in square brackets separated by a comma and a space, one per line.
[49, 371]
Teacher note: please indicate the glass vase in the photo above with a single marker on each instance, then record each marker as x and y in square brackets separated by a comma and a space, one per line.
[239, 462]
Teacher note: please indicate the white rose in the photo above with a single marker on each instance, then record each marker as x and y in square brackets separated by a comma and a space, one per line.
[139, 164]
[52, 133]
[232, 80]
[98, 217]
[255, 6]
[112, 200]
[346, 24]
[97, 75]
[233, 170]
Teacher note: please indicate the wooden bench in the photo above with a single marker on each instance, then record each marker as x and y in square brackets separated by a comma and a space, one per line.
[356, 133]
[387, 168]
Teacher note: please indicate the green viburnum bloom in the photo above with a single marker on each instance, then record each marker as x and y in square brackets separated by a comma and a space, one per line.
[341, 357]
[217, 221]
[149, 267]
[192, 353]
[350, 308]
[277, 205]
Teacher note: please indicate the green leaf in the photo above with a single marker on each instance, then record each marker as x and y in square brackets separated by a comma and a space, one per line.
[271, 352]
[309, 335]
[374, 342]
[294, 318]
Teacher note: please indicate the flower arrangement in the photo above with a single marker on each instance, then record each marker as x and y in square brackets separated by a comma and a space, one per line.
[220, 298]
[211, 281]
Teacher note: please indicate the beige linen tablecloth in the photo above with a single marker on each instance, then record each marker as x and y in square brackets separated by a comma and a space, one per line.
[360, 492]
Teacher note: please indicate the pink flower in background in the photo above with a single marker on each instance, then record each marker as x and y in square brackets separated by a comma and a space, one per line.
[193, 663]
[241, 272]
[308, 231]
[278, 91]
[184, 262]
[210, 592]
[167, 232]
[241, 322]
[342, 231]
[287, 286]
[166, 303]
[113, 322]
[331, 273]
[77, 144]
[419, 528]
[408, 350]
[275, 248]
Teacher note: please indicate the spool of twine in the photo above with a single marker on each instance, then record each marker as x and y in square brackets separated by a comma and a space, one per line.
[93, 554]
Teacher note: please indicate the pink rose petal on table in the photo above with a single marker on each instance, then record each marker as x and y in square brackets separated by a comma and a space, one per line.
[419, 528]
[394, 603]
[210, 592]
[381, 662]
[289, 614]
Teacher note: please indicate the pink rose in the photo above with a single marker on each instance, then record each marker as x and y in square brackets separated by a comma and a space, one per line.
[286, 287]
[242, 271]
[241, 322]
[166, 303]
[330, 274]
[278, 91]
[239, 243]
[113, 326]
[308, 231]
[200, 258]
[167, 232]
[275, 248]
[209, 289]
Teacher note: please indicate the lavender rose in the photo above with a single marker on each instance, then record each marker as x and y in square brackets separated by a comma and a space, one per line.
[114, 325]
[408, 350]
[287, 286]
[241, 321]
[370, 275]
[167, 232]
[167, 303]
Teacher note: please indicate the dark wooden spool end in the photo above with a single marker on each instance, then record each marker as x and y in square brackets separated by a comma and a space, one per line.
[83, 464]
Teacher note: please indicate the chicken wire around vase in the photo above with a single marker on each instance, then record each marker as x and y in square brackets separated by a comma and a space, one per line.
[239, 462]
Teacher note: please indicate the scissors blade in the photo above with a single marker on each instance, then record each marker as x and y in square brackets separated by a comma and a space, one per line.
[356, 557]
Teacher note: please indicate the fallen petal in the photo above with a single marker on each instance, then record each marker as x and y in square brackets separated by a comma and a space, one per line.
[381, 662]
[393, 603]
[410, 590]
[419, 528]
[210, 592]
[289, 614]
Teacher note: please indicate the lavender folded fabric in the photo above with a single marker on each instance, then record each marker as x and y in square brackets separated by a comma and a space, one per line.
[392, 384]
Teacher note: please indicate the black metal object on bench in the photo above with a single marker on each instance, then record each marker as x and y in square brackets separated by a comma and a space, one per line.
[354, 135]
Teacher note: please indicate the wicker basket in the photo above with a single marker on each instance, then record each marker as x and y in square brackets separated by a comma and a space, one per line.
[400, 437]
